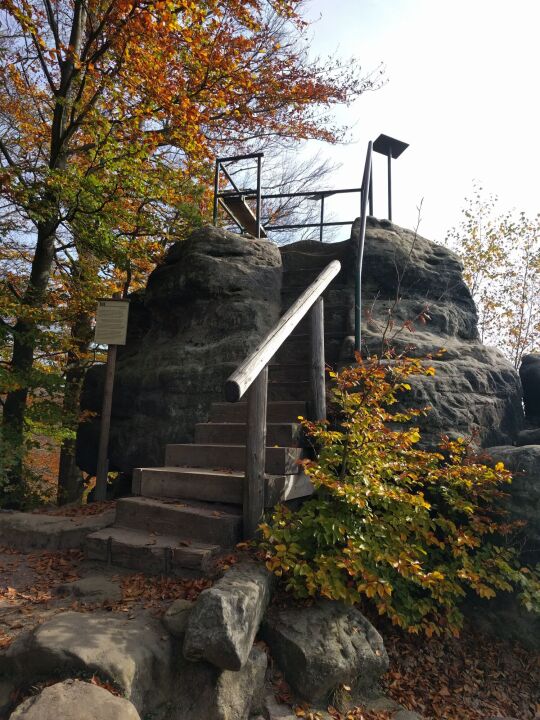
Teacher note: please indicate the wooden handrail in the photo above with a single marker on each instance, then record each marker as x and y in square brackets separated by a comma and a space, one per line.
[252, 375]
[249, 370]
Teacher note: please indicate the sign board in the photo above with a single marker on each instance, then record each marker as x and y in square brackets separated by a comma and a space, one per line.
[111, 322]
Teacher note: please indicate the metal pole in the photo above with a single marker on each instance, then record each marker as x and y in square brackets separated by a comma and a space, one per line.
[371, 193]
[321, 230]
[216, 188]
[254, 481]
[390, 183]
[259, 161]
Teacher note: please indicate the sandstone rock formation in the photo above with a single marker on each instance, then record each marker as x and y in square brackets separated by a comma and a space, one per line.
[75, 700]
[204, 309]
[217, 293]
[323, 646]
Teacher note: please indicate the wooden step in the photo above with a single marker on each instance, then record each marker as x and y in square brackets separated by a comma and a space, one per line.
[214, 486]
[208, 523]
[278, 412]
[333, 295]
[150, 553]
[279, 460]
[305, 276]
[282, 434]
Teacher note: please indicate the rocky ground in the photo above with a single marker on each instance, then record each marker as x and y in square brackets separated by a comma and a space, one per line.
[471, 678]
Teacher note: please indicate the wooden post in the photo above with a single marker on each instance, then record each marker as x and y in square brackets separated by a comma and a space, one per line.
[255, 454]
[318, 385]
[103, 452]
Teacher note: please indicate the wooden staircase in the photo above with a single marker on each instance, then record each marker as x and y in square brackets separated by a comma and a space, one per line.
[189, 511]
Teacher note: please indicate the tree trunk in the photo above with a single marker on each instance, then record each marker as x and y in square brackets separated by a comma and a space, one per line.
[70, 482]
[24, 343]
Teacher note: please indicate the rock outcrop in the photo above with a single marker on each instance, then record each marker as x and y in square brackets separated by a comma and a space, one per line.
[75, 700]
[324, 646]
[204, 309]
[226, 617]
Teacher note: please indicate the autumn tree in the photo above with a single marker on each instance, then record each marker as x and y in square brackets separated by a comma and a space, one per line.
[501, 258]
[109, 112]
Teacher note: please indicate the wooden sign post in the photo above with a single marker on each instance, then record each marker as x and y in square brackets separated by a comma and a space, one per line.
[111, 330]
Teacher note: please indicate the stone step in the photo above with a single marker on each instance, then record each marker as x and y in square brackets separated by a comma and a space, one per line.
[333, 295]
[296, 276]
[282, 434]
[278, 412]
[150, 553]
[289, 372]
[279, 460]
[292, 390]
[313, 254]
[336, 319]
[214, 486]
[297, 348]
[205, 522]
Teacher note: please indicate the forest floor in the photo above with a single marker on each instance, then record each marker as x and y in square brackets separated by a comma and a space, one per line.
[472, 677]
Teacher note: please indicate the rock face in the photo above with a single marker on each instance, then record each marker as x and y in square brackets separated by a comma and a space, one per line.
[529, 373]
[134, 654]
[324, 646]
[222, 626]
[414, 298]
[75, 700]
[203, 691]
[204, 309]
[524, 493]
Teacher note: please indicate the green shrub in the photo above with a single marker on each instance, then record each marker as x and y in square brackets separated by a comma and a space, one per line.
[410, 529]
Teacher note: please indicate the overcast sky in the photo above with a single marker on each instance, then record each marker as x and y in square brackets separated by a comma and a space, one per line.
[463, 79]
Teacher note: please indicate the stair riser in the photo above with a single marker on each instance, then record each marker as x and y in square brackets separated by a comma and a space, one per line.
[334, 295]
[149, 560]
[189, 487]
[334, 322]
[305, 276]
[288, 373]
[298, 350]
[279, 461]
[231, 434]
[223, 530]
[237, 412]
[288, 391]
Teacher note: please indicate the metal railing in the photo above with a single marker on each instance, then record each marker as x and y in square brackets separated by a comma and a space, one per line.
[252, 376]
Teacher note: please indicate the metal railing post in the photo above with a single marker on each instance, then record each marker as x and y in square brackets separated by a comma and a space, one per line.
[318, 385]
[360, 253]
[254, 481]
[258, 220]
[321, 231]
[216, 190]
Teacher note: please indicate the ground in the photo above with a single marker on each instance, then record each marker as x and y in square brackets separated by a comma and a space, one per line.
[470, 678]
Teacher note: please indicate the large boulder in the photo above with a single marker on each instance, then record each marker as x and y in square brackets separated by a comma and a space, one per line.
[222, 625]
[323, 646]
[415, 300]
[529, 372]
[133, 654]
[524, 492]
[203, 691]
[204, 309]
[75, 700]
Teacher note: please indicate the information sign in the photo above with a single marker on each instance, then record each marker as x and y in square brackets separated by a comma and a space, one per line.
[111, 322]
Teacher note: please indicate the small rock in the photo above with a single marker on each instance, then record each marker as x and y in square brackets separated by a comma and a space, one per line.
[275, 710]
[93, 589]
[323, 646]
[75, 700]
[222, 626]
[406, 715]
[203, 691]
[128, 653]
[382, 704]
[176, 617]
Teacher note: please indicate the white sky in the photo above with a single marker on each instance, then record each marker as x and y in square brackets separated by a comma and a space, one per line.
[463, 80]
